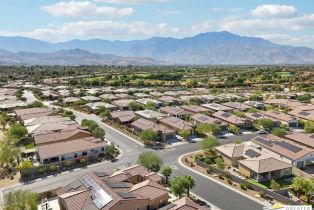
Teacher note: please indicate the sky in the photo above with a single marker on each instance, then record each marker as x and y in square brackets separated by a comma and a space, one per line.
[285, 22]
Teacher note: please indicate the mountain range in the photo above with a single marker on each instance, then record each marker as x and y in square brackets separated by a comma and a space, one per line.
[206, 48]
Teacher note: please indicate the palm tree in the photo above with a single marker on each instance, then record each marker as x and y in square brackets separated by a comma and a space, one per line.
[166, 172]
[189, 183]
[297, 185]
[308, 189]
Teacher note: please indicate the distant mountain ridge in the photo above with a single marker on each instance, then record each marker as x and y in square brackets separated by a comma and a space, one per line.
[205, 48]
[74, 57]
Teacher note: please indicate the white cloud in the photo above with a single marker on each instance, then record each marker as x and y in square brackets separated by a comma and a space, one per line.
[297, 23]
[299, 40]
[169, 12]
[202, 27]
[131, 1]
[98, 29]
[274, 10]
[85, 8]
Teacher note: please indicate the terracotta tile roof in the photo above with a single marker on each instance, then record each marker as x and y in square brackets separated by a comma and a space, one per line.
[285, 102]
[265, 165]
[149, 189]
[51, 126]
[45, 119]
[217, 107]
[123, 102]
[303, 114]
[150, 114]
[187, 203]
[68, 147]
[31, 113]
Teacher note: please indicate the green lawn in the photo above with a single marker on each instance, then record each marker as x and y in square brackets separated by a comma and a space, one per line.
[29, 145]
[266, 185]
[256, 183]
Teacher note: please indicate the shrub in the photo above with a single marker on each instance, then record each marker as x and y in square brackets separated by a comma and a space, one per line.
[42, 170]
[209, 169]
[221, 176]
[229, 181]
[82, 161]
[53, 167]
[243, 186]
[262, 194]
[68, 163]
[208, 161]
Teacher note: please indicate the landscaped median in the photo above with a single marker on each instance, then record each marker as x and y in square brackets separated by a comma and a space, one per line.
[211, 165]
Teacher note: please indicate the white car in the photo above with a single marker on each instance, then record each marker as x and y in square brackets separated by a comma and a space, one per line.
[262, 132]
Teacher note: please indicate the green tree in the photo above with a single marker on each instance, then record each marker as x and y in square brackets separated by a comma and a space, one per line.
[4, 119]
[220, 163]
[9, 154]
[185, 133]
[35, 104]
[206, 128]
[274, 185]
[279, 132]
[233, 129]
[166, 172]
[26, 164]
[178, 187]
[309, 127]
[17, 132]
[266, 123]
[189, 183]
[209, 143]
[150, 160]
[98, 133]
[297, 185]
[17, 200]
[148, 136]
[110, 150]
[304, 98]
[135, 106]
[150, 106]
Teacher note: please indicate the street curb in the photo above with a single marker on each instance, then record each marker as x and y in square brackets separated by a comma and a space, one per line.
[214, 180]
[125, 135]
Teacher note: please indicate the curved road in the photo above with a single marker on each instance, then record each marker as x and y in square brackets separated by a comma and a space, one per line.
[216, 194]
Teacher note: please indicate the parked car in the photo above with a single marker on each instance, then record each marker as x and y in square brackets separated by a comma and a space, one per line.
[262, 132]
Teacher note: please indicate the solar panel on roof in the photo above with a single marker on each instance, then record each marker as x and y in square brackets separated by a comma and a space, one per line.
[126, 195]
[251, 153]
[226, 114]
[263, 141]
[75, 184]
[257, 115]
[289, 146]
[102, 174]
[116, 184]
[304, 113]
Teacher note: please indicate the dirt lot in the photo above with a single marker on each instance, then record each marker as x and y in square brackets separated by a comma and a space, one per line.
[7, 181]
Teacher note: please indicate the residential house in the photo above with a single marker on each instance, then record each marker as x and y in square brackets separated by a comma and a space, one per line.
[146, 101]
[285, 150]
[102, 191]
[9, 105]
[96, 106]
[175, 112]
[255, 104]
[217, 107]
[233, 119]
[184, 203]
[177, 124]
[237, 105]
[202, 119]
[257, 116]
[91, 98]
[150, 114]
[305, 139]
[284, 118]
[122, 104]
[163, 133]
[286, 103]
[70, 100]
[194, 108]
[122, 117]
[169, 100]
[30, 113]
[109, 97]
[262, 169]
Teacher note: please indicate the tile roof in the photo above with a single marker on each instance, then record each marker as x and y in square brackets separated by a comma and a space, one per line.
[302, 138]
[177, 123]
[146, 124]
[265, 165]
[68, 147]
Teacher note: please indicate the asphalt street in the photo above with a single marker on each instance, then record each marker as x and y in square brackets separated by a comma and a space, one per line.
[216, 194]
